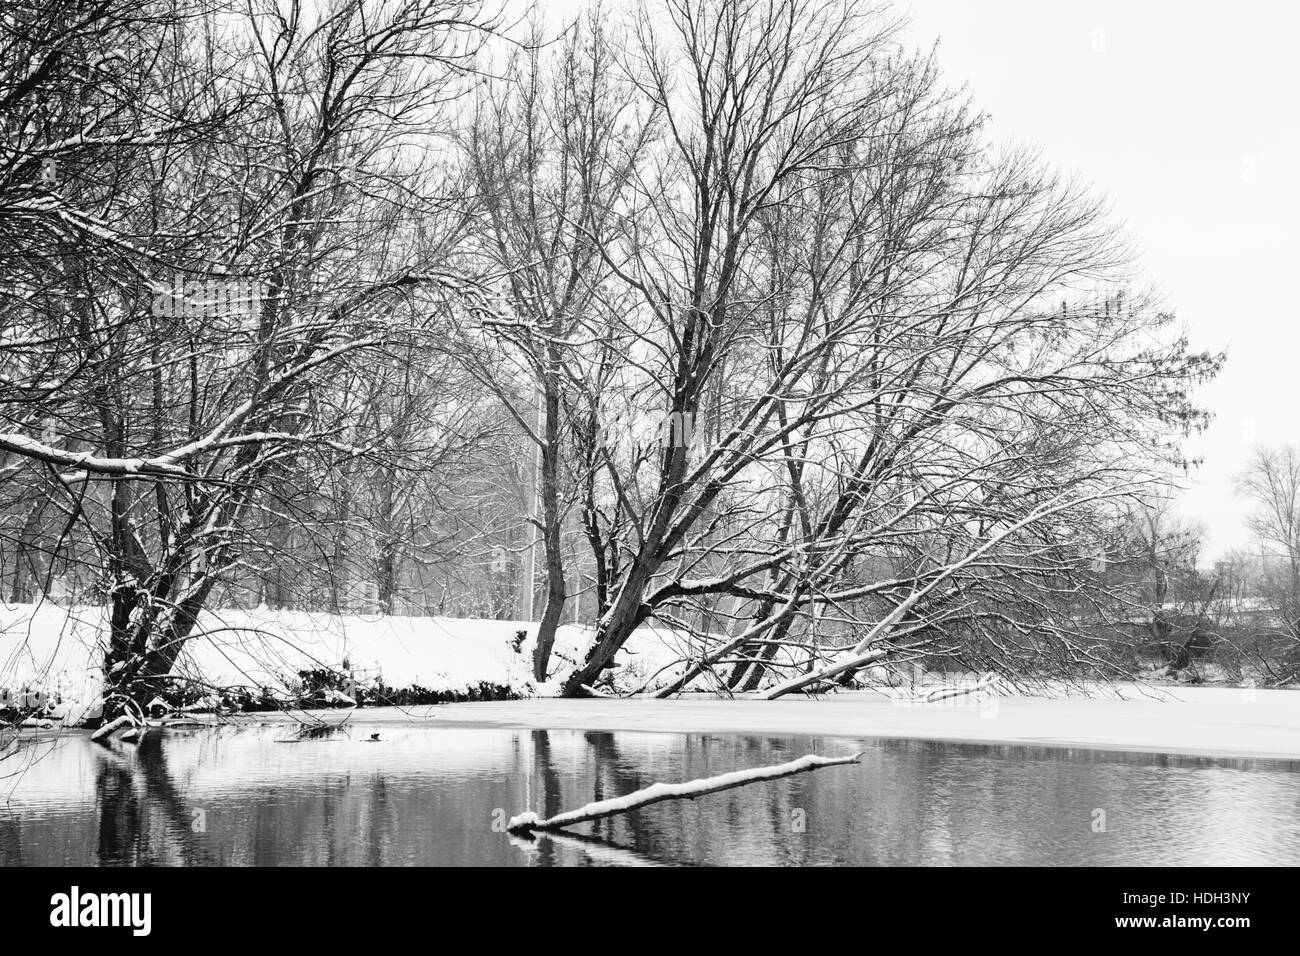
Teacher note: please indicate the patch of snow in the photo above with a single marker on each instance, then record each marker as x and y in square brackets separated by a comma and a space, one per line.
[61, 649]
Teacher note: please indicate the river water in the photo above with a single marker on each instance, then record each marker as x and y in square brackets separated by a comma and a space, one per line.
[263, 794]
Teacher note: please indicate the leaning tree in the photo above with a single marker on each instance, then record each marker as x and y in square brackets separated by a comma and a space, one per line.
[913, 380]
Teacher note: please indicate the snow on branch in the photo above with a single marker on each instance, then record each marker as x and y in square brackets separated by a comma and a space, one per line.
[164, 466]
[659, 792]
[988, 682]
[865, 652]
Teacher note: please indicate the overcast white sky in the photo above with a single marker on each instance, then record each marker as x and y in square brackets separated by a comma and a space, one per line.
[1187, 116]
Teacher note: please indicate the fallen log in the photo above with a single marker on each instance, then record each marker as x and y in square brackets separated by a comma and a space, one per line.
[100, 735]
[823, 673]
[659, 792]
[943, 692]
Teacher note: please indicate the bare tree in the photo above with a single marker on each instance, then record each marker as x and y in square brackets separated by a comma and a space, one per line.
[1272, 484]
[896, 333]
[552, 148]
[300, 242]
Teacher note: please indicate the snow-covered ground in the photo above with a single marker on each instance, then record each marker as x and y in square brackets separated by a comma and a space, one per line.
[59, 648]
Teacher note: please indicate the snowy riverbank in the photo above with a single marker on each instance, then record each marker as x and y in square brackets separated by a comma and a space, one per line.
[60, 649]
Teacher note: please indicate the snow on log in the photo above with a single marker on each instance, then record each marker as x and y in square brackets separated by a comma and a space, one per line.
[658, 792]
[822, 673]
[103, 732]
[988, 682]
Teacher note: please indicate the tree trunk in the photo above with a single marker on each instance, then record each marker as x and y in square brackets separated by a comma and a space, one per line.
[550, 493]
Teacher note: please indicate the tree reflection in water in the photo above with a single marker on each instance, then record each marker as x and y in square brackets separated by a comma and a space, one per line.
[436, 794]
[143, 820]
[610, 777]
